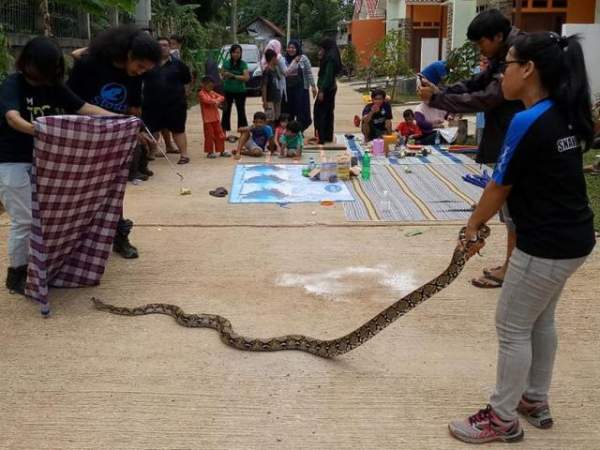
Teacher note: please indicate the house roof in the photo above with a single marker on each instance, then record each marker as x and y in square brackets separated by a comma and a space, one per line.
[278, 31]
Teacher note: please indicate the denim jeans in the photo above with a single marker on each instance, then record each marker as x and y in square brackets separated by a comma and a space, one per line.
[15, 195]
[526, 330]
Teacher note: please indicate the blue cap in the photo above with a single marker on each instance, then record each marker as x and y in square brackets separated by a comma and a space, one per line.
[435, 72]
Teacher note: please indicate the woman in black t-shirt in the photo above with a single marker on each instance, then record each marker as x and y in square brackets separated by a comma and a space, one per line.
[36, 90]
[539, 174]
[109, 74]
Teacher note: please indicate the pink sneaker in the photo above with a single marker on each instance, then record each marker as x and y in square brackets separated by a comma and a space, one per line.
[536, 413]
[486, 426]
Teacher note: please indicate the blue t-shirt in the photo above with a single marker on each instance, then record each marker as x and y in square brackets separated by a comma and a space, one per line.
[261, 135]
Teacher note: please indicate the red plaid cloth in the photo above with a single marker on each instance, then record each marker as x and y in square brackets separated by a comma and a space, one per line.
[80, 169]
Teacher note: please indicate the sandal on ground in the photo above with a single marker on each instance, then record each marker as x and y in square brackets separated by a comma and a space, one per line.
[219, 192]
[183, 160]
[211, 155]
[225, 155]
[487, 282]
[232, 139]
[488, 272]
[173, 150]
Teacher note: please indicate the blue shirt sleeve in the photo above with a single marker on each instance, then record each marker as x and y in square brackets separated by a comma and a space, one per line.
[507, 165]
[268, 132]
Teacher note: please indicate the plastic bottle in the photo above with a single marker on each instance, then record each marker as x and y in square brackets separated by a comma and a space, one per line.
[311, 163]
[366, 166]
[437, 138]
[386, 204]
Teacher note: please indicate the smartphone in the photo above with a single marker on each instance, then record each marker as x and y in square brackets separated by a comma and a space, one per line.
[419, 81]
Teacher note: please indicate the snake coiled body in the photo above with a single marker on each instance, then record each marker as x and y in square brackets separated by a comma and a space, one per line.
[323, 348]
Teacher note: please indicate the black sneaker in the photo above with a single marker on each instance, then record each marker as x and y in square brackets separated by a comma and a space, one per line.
[16, 279]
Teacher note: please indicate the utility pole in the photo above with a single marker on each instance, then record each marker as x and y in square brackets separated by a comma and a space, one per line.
[234, 20]
[289, 21]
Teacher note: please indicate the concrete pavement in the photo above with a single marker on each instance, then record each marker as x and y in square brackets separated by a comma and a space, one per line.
[85, 379]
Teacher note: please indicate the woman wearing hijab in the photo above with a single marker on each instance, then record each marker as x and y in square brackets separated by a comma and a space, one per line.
[299, 79]
[280, 67]
[330, 66]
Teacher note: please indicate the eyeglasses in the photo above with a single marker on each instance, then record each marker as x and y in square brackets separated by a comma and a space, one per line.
[504, 64]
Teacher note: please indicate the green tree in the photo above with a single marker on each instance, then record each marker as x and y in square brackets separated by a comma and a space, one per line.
[5, 57]
[390, 58]
[460, 62]
[99, 7]
[350, 59]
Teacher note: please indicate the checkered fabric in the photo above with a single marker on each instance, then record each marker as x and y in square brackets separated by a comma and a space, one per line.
[80, 169]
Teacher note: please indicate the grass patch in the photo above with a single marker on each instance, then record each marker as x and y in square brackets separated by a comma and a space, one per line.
[593, 186]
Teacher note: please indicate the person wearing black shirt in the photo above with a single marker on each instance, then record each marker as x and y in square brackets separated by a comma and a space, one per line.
[108, 74]
[377, 117]
[36, 90]
[164, 103]
[540, 175]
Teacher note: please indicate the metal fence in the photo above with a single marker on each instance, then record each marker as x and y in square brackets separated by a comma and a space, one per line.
[67, 22]
[23, 16]
[18, 16]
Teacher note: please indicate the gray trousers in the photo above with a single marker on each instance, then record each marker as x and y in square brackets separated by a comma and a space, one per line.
[15, 195]
[526, 330]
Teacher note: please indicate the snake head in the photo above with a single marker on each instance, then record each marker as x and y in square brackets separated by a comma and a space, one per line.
[470, 247]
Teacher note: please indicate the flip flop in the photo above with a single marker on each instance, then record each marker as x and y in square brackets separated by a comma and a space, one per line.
[183, 160]
[487, 282]
[488, 272]
[219, 192]
[173, 150]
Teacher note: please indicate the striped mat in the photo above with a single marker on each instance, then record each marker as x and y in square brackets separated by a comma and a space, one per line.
[418, 192]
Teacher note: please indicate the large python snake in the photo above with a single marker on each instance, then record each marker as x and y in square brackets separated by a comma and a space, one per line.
[322, 348]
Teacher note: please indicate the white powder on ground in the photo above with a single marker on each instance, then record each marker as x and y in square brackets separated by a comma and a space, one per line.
[339, 284]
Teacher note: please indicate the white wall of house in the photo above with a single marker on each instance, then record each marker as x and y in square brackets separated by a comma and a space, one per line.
[464, 12]
[261, 33]
[395, 11]
[430, 49]
[590, 34]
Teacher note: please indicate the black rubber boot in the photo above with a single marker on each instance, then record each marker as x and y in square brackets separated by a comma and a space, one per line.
[121, 244]
[143, 166]
[16, 279]
[134, 165]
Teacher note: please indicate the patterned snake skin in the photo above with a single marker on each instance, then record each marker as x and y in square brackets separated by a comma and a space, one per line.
[328, 348]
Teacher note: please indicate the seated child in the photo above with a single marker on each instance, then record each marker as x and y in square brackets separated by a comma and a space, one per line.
[429, 119]
[408, 129]
[255, 140]
[292, 141]
[377, 116]
[280, 129]
[214, 136]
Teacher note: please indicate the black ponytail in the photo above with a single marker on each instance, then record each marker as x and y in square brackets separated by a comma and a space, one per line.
[561, 67]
